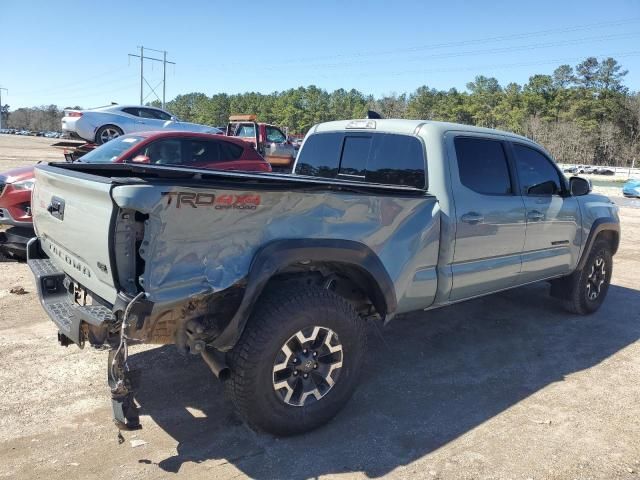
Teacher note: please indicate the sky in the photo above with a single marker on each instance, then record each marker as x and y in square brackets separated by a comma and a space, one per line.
[76, 52]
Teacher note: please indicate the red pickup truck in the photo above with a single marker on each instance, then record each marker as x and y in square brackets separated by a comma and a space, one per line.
[270, 141]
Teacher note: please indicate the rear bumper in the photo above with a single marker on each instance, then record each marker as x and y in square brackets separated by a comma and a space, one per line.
[53, 287]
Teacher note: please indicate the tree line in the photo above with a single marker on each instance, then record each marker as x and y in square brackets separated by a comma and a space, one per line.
[582, 114]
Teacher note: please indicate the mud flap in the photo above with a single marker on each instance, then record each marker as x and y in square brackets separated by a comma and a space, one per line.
[562, 288]
[123, 383]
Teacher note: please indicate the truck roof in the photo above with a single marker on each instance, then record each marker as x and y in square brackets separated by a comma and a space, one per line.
[408, 127]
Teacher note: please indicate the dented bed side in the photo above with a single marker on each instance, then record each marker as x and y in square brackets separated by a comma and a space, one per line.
[199, 245]
[193, 246]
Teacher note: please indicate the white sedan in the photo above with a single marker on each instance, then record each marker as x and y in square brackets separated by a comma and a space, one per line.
[100, 125]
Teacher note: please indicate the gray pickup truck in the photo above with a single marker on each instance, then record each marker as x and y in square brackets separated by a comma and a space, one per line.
[274, 279]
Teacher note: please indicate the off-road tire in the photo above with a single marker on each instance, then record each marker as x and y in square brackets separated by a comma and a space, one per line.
[578, 300]
[99, 140]
[275, 319]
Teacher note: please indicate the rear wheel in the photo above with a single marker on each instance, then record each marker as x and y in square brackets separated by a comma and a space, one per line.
[297, 362]
[106, 133]
[589, 286]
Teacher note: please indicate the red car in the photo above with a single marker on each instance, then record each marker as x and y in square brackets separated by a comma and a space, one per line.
[185, 149]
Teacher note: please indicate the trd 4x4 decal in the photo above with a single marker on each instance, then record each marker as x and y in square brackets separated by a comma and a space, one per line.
[245, 201]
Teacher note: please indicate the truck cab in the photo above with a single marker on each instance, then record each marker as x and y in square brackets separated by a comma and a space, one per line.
[269, 140]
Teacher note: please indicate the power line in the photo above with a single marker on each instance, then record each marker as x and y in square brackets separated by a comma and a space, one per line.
[378, 53]
[143, 80]
[486, 67]
[74, 84]
[470, 52]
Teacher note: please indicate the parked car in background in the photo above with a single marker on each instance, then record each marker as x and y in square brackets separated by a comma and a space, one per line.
[269, 140]
[632, 188]
[102, 124]
[603, 171]
[185, 149]
[15, 210]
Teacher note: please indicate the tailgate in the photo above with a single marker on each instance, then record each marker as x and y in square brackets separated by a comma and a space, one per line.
[72, 212]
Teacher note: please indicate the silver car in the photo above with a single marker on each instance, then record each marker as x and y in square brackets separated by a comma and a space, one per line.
[102, 124]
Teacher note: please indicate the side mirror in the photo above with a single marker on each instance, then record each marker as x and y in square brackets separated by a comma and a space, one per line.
[174, 119]
[141, 159]
[579, 186]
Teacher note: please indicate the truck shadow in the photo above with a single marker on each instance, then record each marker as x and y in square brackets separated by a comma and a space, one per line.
[434, 377]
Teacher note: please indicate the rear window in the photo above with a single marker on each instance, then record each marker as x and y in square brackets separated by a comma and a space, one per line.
[320, 155]
[377, 158]
[355, 153]
[111, 150]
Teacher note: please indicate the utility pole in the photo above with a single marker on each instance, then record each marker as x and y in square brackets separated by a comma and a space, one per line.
[141, 72]
[2, 88]
[143, 80]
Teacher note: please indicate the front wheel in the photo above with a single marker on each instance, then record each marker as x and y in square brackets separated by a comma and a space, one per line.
[297, 362]
[589, 286]
[106, 133]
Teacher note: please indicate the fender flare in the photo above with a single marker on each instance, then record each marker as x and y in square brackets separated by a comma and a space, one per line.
[279, 254]
[600, 225]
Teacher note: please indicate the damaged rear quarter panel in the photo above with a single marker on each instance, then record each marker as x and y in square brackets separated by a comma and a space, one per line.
[199, 247]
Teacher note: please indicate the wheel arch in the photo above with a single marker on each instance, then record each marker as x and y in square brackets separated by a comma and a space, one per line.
[97, 131]
[606, 228]
[353, 259]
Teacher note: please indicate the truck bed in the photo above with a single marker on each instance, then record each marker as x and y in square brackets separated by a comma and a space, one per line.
[190, 238]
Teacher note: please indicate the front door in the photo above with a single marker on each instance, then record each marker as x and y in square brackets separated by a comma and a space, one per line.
[490, 217]
[553, 236]
[277, 151]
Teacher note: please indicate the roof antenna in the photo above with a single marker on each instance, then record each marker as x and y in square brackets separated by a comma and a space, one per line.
[373, 115]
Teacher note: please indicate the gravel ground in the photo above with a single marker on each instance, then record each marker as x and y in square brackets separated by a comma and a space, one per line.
[504, 387]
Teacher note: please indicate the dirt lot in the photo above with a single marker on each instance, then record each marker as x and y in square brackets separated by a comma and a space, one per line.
[505, 387]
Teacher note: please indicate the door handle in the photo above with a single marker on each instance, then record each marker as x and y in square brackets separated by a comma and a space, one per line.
[535, 216]
[472, 218]
[56, 208]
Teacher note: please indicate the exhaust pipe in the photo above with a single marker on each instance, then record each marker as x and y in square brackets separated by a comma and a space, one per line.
[215, 361]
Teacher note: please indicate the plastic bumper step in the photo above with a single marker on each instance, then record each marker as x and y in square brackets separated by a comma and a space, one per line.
[58, 302]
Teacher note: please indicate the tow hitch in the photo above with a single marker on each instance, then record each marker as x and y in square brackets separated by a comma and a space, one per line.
[122, 380]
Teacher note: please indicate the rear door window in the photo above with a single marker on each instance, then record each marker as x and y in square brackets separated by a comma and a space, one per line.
[482, 165]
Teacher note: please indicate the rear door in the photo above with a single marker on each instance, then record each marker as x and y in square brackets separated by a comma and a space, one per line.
[490, 216]
[553, 235]
[72, 213]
